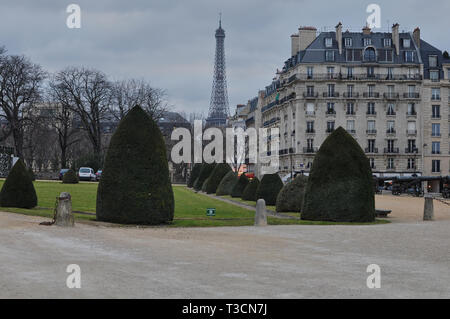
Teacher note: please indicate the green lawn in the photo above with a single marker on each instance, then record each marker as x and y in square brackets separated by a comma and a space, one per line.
[190, 207]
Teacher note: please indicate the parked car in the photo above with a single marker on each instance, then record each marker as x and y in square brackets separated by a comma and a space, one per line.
[62, 172]
[86, 174]
[98, 175]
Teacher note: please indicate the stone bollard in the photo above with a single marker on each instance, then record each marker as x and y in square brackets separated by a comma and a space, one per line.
[261, 213]
[428, 207]
[64, 216]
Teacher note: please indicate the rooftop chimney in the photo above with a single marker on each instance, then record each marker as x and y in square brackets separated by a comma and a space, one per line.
[306, 35]
[339, 36]
[416, 36]
[366, 30]
[396, 38]
[294, 44]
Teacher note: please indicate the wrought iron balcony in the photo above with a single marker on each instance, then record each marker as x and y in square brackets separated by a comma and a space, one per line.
[411, 95]
[330, 112]
[371, 150]
[411, 132]
[330, 94]
[390, 131]
[371, 113]
[310, 149]
[310, 95]
[391, 150]
[371, 95]
[411, 150]
[371, 131]
[310, 131]
[351, 94]
[391, 95]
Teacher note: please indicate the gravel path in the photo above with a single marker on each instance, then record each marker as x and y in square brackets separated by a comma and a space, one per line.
[230, 262]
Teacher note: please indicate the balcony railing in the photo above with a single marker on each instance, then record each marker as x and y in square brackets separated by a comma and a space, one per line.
[371, 113]
[391, 95]
[329, 130]
[371, 95]
[330, 112]
[390, 113]
[390, 131]
[330, 94]
[355, 77]
[310, 95]
[350, 113]
[310, 113]
[351, 94]
[391, 150]
[371, 150]
[351, 131]
[310, 149]
[410, 150]
[310, 131]
[411, 132]
[412, 113]
[371, 131]
[411, 95]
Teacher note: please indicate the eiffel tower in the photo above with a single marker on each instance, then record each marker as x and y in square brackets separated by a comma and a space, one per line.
[218, 108]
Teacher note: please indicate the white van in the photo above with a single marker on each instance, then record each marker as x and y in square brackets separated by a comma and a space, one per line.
[86, 174]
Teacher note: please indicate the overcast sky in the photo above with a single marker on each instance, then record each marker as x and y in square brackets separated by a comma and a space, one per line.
[171, 42]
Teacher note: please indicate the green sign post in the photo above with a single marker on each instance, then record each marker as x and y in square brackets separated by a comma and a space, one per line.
[210, 212]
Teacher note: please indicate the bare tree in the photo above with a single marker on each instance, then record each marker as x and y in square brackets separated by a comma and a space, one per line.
[86, 92]
[20, 90]
[128, 93]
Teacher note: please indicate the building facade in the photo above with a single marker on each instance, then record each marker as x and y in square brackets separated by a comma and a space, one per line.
[389, 90]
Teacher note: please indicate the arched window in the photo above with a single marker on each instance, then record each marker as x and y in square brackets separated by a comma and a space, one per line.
[369, 55]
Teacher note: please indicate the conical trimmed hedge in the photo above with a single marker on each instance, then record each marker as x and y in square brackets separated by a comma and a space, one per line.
[204, 185]
[340, 184]
[227, 183]
[239, 187]
[135, 186]
[216, 176]
[194, 174]
[70, 177]
[204, 174]
[290, 198]
[249, 192]
[18, 189]
[269, 188]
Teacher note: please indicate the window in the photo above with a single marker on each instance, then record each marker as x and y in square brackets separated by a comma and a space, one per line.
[435, 111]
[390, 109]
[409, 56]
[411, 146]
[385, 55]
[406, 43]
[310, 108]
[411, 127]
[329, 55]
[411, 109]
[350, 108]
[435, 148]
[330, 126]
[330, 108]
[435, 129]
[371, 146]
[310, 72]
[390, 163]
[367, 41]
[353, 55]
[330, 89]
[433, 61]
[310, 90]
[390, 73]
[390, 146]
[390, 127]
[387, 42]
[350, 72]
[370, 71]
[369, 55]
[371, 108]
[435, 94]
[435, 166]
[371, 128]
[310, 127]
[330, 72]
[348, 42]
[351, 126]
[310, 143]
[372, 163]
[434, 76]
[328, 42]
[411, 163]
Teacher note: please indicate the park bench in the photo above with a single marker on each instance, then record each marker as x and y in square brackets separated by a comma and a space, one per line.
[382, 212]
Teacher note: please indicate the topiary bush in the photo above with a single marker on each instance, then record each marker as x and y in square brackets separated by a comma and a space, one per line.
[216, 176]
[18, 189]
[70, 177]
[249, 192]
[204, 174]
[269, 188]
[239, 187]
[290, 198]
[32, 176]
[340, 184]
[227, 183]
[135, 187]
[204, 185]
[194, 174]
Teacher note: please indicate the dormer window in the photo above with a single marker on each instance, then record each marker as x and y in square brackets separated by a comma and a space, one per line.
[387, 42]
[369, 55]
[329, 55]
[328, 42]
[367, 41]
[406, 43]
[433, 60]
[348, 42]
